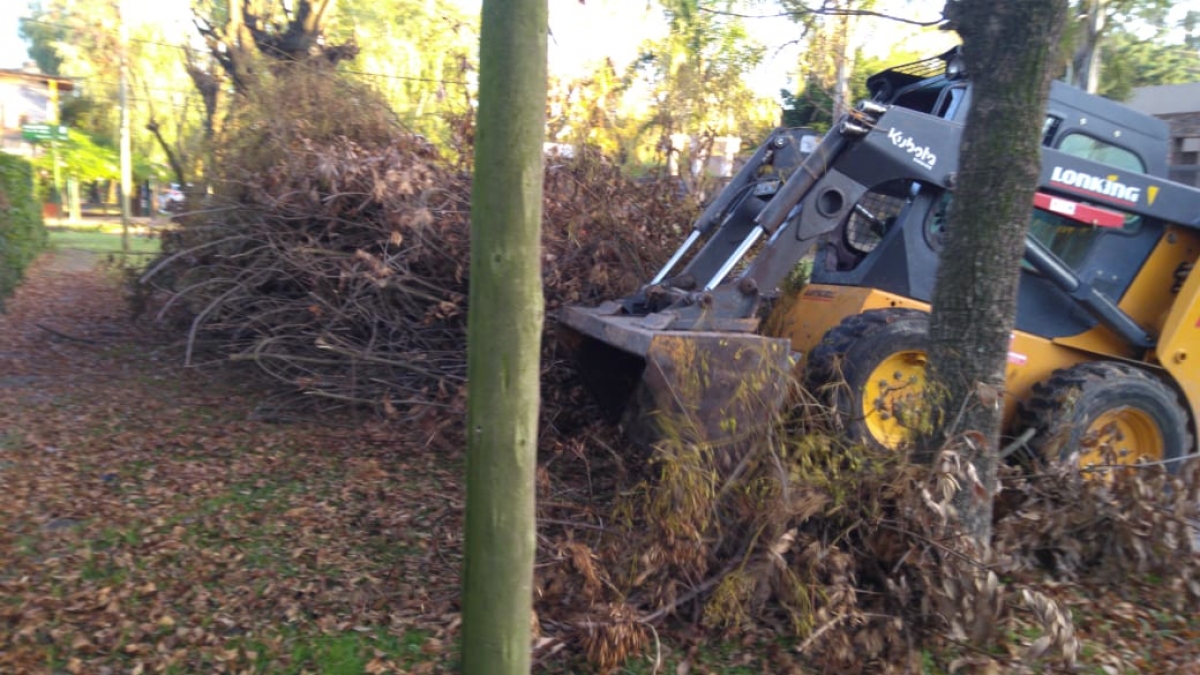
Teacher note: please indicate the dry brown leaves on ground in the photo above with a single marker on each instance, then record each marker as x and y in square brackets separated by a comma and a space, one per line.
[151, 526]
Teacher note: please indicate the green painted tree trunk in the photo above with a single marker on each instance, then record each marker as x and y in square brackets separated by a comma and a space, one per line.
[504, 331]
[1009, 48]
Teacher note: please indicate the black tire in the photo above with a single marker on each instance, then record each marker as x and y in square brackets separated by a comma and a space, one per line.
[1134, 409]
[839, 373]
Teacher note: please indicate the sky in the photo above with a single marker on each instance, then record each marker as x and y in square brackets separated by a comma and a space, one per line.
[12, 48]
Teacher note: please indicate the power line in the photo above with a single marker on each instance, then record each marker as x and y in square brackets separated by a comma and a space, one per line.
[406, 77]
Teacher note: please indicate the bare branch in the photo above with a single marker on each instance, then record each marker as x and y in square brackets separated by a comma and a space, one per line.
[824, 11]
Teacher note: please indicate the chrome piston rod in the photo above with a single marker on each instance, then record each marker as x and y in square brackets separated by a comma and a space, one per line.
[679, 253]
[737, 255]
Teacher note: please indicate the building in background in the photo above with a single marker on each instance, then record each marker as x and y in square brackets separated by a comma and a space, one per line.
[27, 96]
[1179, 106]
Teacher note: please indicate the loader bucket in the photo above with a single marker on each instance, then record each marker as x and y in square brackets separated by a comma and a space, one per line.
[701, 386]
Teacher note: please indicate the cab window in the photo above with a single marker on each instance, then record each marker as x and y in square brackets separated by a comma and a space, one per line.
[1071, 240]
[1087, 147]
[1066, 238]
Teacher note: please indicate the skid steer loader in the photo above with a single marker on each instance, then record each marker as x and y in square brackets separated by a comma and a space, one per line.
[1100, 363]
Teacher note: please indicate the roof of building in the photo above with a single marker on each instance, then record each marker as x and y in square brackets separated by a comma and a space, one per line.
[1166, 99]
[64, 83]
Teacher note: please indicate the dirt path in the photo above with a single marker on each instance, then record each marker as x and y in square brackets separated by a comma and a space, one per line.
[71, 260]
[148, 523]
[66, 307]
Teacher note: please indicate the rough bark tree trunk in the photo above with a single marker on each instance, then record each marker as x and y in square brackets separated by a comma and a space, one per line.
[504, 338]
[1009, 51]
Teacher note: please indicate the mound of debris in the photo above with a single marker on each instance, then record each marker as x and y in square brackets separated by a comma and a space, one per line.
[855, 561]
[332, 253]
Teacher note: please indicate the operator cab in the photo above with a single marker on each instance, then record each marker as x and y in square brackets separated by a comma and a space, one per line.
[867, 251]
[1078, 123]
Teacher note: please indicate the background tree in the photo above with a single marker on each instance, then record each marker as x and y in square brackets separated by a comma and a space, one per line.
[84, 159]
[1092, 25]
[586, 111]
[829, 58]
[696, 74]
[1167, 56]
[246, 37]
[419, 54]
[813, 104]
[41, 37]
[1009, 49]
[504, 338]
[80, 41]
[246, 40]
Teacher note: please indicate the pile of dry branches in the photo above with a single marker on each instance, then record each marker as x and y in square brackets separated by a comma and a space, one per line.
[333, 251]
[859, 556]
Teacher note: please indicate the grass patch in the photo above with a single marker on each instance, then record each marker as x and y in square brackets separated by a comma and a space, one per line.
[345, 653]
[100, 239]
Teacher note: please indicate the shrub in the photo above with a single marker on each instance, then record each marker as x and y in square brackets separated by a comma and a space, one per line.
[22, 233]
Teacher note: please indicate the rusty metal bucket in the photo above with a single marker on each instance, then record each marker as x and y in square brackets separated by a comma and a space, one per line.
[713, 387]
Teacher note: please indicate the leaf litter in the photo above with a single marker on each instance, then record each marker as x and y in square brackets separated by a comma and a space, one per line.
[152, 525]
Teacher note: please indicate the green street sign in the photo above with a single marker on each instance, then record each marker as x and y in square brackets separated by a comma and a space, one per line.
[43, 132]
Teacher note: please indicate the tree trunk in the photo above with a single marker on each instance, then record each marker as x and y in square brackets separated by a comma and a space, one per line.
[172, 159]
[1086, 62]
[504, 338]
[1009, 51]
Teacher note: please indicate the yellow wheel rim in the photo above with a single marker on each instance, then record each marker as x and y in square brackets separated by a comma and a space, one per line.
[894, 396]
[1121, 436]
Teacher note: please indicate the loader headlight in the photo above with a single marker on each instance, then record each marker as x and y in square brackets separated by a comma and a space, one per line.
[955, 68]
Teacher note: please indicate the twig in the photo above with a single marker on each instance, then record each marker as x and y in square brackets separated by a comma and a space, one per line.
[567, 523]
[942, 547]
[816, 634]
[1140, 465]
[1018, 443]
[699, 590]
[66, 336]
[172, 258]
[658, 660]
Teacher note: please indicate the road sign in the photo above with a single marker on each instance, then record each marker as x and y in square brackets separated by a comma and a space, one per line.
[43, 132]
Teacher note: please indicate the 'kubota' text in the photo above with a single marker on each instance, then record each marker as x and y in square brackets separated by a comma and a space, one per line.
[921, 153]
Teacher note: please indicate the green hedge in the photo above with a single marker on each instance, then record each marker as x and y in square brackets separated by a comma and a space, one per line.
[22, 233]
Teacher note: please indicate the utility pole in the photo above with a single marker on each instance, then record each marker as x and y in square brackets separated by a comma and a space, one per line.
[53, 118]
[126, 152]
